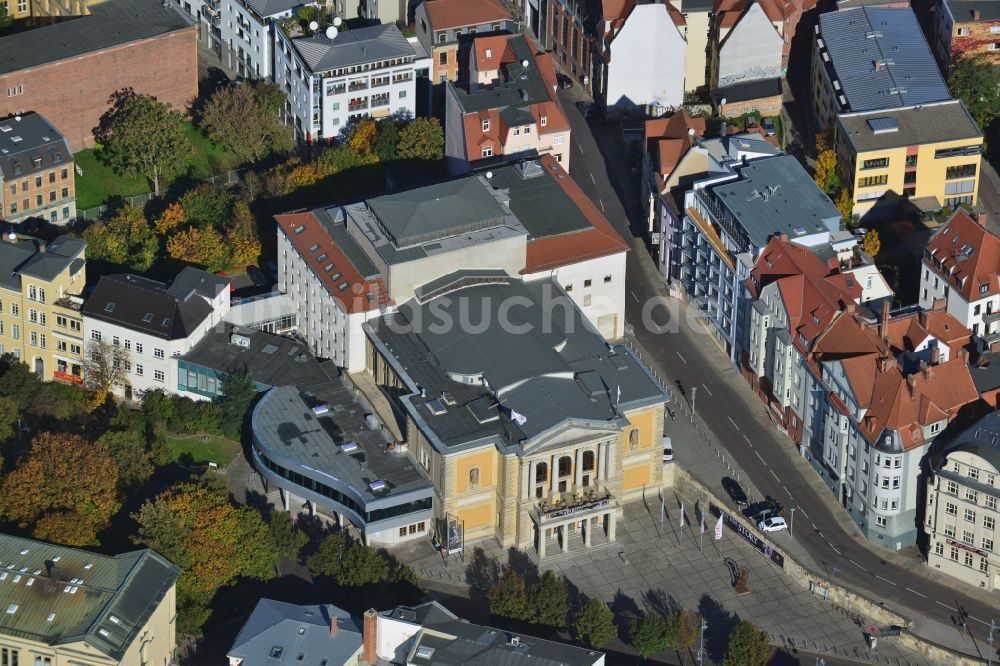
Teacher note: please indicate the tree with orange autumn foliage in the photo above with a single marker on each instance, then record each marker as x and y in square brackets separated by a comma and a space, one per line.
[65, 489]
[201, 246]
[170, 219]
[363, 136]
[197, 527]
[242, 236]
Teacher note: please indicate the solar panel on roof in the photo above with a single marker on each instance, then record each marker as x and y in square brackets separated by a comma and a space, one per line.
[882, 125]
[377, 485]
[348, 447]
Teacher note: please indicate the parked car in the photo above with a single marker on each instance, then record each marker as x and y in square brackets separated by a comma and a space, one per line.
[564, 81]
[859, 231]
[773, 524]
[586, 108]
[768, 125]
[668, 449]
[735, 491]
[761, 510]
[257, 276]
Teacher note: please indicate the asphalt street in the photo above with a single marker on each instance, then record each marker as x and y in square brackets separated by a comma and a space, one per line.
[765, 454]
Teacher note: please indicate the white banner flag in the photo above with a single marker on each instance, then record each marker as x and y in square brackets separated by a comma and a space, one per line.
[519, 419]
[682, 514]
[663, 511]
[702, 522]
[718, 528]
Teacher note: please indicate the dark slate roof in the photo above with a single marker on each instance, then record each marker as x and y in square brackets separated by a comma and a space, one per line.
[915, 125]
[26, 257]
[301, 635]
[29, 140]
[859, 37]
[743, 92]
[110, 23]
[353, 47]
[193, 280]
[982, 439]
[549, 365]
[109, 602]
[962, 10]
[519, 87]
[775, 195]
[267, 8]
[457, 641]
[149, 306]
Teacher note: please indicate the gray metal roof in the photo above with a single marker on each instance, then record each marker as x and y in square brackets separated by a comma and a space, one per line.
[457, 641]
[547, 363]
[982, 438]
[109, 24]
[881, 58]
[538, 200]
[298, 635]
[928, 123]
[23, 257]
[519, 86]
[962, 10]
[353, 47]
[265, 8]
[775, 195]
[64, 595]
[29, 144]
[193, 280]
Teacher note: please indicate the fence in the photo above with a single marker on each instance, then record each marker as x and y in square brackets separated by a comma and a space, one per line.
[227, 179]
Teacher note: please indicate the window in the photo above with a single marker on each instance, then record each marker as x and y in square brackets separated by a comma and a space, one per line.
[138, 348]
[95, 335]
[989, 522]
[473, 478]
[954, 553]
[962, 32]
[987, 544]
[544, 121]
[15, 309]
[158, 375]
[952, 487]
[971, 495]
[983, 565]
[9, 656]
[880, 521]
[138, 369]
[960, 171]
[633, 439]
[587, 283]
[877, 163]
[951, 509]
[15, 332]
[895, 482]
[968, 559]
[970, 515]
[991, 502]
[939, 549]
[158, 353]
[517, 131]
[443, 57]
[488, 151]
[872, 181]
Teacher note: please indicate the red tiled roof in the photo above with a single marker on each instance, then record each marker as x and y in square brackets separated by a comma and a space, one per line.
[354, 298]
[444, 14]
[907, 332]
[967, 256]
[600, 240]
[669, 139]
[495, 45]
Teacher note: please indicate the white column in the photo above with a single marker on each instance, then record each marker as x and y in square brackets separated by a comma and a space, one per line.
[526, 469]
[565, 537]
[599, 461]
[611, 526]
[541, 542]
[587, 525]
[578, 469]
[553, 475]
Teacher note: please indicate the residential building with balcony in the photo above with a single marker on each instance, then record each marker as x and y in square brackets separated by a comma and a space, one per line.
[961, 515]
[915, 159]
[370, 72]
[153, 323]
[534, 430]
[965, 28]
[344, 266]
[66, 605]
[729, 217]
[445, 29]
[884, 393]
[507, 109]
[961, 266]
[36, 171]
[871, 58]
[40, 301]
[666, 141]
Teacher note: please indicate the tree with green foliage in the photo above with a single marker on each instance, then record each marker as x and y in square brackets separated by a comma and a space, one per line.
[595, 624]
[386, 141]
[207, 206]
[684, 628]
[18, 382]
[406, 587]
[244, 118]
[976, 81]
[508, 597]
[127, 239]
[158, 410]
[237, 394]
[198, 528]
[549, 605]
[132, 456]
[648, 634]
[287, 538]
[8, 419]
[335, 159]
[362, 565]
[64, 489]
[327, 558]
[826, 175]
[140, 135]
[748, 646]
[421, 139]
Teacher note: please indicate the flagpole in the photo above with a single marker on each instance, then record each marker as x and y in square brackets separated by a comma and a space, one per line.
[701, 537]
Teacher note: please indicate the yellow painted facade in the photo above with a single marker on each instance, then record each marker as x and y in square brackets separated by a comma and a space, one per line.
[475, 471]
[635, 477]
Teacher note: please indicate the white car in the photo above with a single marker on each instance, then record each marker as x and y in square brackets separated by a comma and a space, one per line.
[772, 524]
[668, 449]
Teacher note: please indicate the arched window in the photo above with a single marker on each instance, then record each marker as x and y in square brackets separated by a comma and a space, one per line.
[541, 472]
[588, 461]
[565, 466]
[633, 439]
[474, 477]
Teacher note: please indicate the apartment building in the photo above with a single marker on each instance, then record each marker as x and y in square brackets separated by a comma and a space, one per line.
[344, 266]
[445, 27]
[728, 218]
[278, 632]
[535, 434]
[80, 58]
[70, 606]
[330, 79]
[153, 322]
[748, 56]
[784, 16]
[961, 265]
[666, 141]
[871, 58]
[796, 292]
[961, 512]
[640, 59]
[965, 28]
[36, 171]
[507, 109]
[567, 28]
[915, 159]
[40, 289]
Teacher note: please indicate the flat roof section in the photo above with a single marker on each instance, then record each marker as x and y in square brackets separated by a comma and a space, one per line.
[914, 125]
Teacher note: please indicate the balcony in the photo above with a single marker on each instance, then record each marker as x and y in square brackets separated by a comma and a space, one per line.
[357, 85]
[380, 100]
[400, 78]
[587, 503]
[711, 235]
[991, 317]
[362, 106]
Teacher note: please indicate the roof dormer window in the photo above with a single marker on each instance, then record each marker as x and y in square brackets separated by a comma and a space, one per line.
[544, 121]
[486, 124]
[489, 54]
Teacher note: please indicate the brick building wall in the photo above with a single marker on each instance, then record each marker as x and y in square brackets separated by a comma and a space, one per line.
[40, 194]
[73, 93]
[568, 40]
[978, 42]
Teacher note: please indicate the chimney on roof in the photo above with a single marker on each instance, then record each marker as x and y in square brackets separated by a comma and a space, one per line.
[927, 370]
[963, 354]
[936, 356]
[883, 325]
[53, 572]
[980, 218]
[333, 625]
[938, 305]
[976, 14]
[922, 318]
[833, 265]
[369, 635]
[911, 384]
[784, 238]
[884, 363]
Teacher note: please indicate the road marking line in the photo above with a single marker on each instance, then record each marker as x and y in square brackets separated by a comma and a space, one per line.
[858, 565]
[803, 512]
[945, 605]
[602, 205]
[786, 492]
[707, 390]
[592, 179]
[813, 524]
[634, 296]
[748, 440]
[885, 579]
[758, 455]
[916, 593]
[732, 421]
[682, 358]
[772, 473]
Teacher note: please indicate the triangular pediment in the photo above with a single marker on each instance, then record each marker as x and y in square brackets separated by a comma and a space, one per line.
[571, 433]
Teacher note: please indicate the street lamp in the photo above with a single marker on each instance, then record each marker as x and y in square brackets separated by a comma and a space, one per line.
[701, 642]
[694, 394]
[989, 639]
[791, 523]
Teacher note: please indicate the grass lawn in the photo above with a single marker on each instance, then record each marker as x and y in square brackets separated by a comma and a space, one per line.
[204, 448]
[99, 182]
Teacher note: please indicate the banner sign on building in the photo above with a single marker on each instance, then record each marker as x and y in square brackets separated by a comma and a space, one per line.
[762, 546]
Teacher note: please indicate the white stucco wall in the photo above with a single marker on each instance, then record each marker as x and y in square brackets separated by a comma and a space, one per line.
[751, 51]
[647, 60]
